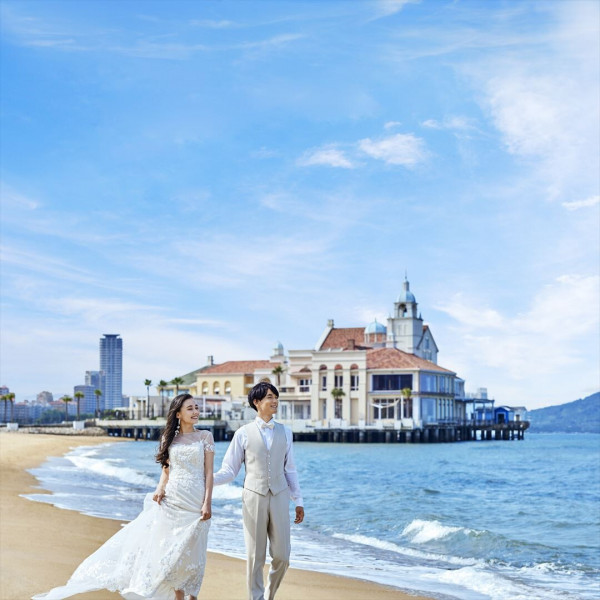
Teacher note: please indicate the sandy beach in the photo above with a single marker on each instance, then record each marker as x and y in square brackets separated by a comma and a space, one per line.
[41, 545]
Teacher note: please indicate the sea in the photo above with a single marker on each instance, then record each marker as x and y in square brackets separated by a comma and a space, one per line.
[482, 520]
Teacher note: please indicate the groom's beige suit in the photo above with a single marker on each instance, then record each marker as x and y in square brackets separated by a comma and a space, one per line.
[266, 451]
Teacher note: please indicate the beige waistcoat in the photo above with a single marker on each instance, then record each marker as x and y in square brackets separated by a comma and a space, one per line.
[265, 468]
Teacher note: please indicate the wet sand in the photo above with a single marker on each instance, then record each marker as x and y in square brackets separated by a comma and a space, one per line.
[41, 545]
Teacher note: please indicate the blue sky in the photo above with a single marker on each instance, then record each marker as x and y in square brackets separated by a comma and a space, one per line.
[212, 177]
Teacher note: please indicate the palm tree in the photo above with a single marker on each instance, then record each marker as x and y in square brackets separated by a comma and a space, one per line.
[407, 396]
[278, 372]
[78, 396]
[11, 399]
[337, 394]
[147, 383]
[98, 393]
[66, 400]
[162, 384]
[177, 381]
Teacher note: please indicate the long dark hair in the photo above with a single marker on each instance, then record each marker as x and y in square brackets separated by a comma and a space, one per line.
[168, 434]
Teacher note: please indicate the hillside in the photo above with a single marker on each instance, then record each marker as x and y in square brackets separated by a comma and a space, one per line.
[580, 416]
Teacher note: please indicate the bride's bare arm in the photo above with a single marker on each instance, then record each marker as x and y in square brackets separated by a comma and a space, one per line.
[159, 492]
[209, 460]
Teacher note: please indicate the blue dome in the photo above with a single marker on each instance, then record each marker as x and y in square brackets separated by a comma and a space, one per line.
[406, 296]
[375, 327]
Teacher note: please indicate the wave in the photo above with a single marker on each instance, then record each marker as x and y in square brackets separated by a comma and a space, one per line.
[227, 492]
[391, 547]
[103, 467]
[421, 532]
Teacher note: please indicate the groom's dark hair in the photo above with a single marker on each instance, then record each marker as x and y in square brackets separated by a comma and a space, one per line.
[259, 391]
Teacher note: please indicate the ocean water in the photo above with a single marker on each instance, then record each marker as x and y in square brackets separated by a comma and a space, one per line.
[493, 520]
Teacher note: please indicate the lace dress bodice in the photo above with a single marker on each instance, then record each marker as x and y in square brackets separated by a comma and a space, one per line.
[186, 458]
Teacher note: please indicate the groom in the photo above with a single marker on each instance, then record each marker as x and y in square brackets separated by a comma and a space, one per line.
[271, 479]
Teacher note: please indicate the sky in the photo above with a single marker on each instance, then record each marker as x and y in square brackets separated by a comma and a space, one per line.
[210, 178]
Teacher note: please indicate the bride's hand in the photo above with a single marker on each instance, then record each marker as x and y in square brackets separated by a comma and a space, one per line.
[159, 494]
[205, 512]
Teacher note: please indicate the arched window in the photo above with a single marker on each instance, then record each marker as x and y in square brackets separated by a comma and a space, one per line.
[353, 378]
[216, 388]
[323, 378]
[227, 387]
[205, 388]
[338, 377]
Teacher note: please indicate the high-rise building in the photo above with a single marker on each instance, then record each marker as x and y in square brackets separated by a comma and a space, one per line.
[111, 362]
[97, 380]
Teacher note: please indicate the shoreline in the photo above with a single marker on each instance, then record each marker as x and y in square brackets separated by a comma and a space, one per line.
[41, 545]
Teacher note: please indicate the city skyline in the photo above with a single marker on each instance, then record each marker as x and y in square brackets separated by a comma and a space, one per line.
[211, 178]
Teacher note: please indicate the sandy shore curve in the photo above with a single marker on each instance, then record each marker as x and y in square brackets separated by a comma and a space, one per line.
[41, 545]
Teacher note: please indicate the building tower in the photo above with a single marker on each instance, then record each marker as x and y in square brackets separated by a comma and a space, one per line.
[111, 362]
[405, 328]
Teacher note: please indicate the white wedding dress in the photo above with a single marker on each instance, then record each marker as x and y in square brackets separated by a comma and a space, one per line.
[164, 548]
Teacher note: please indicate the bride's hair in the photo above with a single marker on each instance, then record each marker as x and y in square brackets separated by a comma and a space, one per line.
[168, 434]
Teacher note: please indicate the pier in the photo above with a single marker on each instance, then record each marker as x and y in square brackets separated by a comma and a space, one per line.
[151, 430]
[430, 434]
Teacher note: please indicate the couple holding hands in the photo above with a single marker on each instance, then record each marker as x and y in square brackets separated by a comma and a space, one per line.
[161, 555]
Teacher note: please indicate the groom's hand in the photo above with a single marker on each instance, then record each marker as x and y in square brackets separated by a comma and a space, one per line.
[299, 514]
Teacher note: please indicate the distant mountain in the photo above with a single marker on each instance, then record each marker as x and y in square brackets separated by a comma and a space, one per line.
[580, 416]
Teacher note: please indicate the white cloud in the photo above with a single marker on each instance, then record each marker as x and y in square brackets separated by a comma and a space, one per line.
[545, 104]
[392, 124]
[329, 156]
[403, 149]
[390, 7]
[453, 123]
[11, 198]
[578, 204]
[557, 334]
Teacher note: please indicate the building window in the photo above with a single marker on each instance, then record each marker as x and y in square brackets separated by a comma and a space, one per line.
[384, 409]
[391, 382]
[324, 407]
[204, 388]
[338, 408]
[408, 408]
[353, 382]
[228, 387]
[216, 388]
[323, 384]
[339, 381]
[304, 385]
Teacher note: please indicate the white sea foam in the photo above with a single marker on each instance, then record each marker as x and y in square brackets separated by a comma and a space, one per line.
[494, 585]
[227, 492]
[103, 467]
[421, 532]
[391, 547]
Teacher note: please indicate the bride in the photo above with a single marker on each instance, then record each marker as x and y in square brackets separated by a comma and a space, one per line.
[161, 554]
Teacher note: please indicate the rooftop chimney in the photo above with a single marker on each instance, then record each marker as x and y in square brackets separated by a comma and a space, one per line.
[210, 360]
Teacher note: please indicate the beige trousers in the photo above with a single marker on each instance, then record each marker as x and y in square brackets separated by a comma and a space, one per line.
[266, 517]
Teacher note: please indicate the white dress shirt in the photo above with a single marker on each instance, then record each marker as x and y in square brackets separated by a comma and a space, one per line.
[234, 457]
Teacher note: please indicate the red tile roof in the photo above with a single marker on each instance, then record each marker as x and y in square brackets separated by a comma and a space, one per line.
[239, 367]
[338, 338]
[392, 358]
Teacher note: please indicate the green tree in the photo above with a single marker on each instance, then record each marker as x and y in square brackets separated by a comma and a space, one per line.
[98, 393]
[278, 372]
[407, 395]
[147, 383]
[66, 400]
[177, 381]
[78, 397]
[4, 399]
[162, 384]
